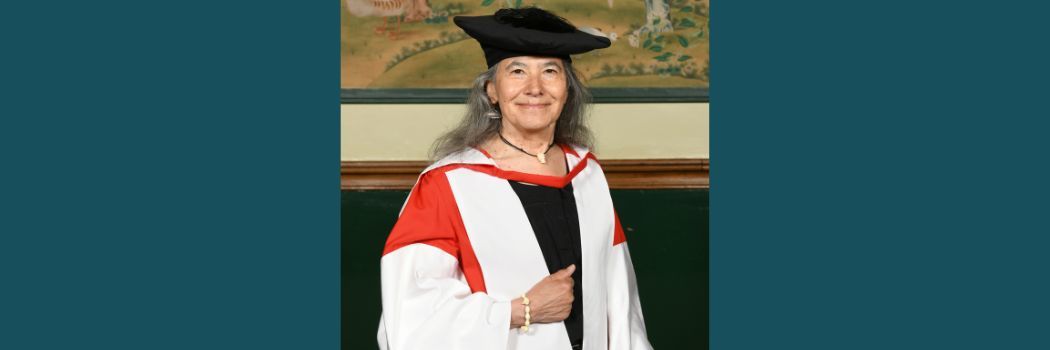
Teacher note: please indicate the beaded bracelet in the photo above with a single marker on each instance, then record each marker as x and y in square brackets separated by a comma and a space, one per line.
[525, 301]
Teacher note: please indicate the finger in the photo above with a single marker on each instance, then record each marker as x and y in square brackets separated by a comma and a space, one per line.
[566, 272]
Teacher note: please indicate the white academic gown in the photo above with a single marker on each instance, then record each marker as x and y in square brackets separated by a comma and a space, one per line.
[463, 248]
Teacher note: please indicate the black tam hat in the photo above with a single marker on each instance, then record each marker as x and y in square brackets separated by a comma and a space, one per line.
[527, 32]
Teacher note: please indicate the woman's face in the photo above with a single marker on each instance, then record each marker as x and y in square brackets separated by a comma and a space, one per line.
[531, 91]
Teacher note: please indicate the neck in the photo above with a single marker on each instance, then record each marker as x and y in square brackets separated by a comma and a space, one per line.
[532, 141]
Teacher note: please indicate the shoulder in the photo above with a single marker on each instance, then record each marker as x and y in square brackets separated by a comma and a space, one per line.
[466, 156]
[578, 152]
[581, 156]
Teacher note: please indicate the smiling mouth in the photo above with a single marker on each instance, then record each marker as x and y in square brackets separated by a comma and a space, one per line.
[533, 105]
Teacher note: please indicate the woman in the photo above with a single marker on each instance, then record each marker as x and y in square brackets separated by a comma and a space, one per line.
[509, 240]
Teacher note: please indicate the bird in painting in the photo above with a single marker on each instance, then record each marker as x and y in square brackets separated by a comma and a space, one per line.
[412, 10]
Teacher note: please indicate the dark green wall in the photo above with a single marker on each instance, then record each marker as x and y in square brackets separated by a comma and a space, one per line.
[666, 230]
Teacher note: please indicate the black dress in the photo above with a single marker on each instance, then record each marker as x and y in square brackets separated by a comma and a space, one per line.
[552, 214]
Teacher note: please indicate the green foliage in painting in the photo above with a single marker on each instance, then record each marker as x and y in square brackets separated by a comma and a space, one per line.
[435, 20]
[676, 50]
[418, 47]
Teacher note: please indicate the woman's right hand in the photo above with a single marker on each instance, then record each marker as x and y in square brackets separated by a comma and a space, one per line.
[550, 300]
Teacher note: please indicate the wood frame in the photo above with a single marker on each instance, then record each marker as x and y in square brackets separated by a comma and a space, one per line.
[621, 174]
[600, 95]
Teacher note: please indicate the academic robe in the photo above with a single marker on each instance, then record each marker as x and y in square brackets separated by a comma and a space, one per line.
[463, 248]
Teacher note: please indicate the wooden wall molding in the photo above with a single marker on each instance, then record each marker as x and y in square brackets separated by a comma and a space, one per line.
[621, 173]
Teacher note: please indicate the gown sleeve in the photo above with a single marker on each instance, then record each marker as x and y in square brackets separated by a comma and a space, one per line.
[429, 301]
[626, 324]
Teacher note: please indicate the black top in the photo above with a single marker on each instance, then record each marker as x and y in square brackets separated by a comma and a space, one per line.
[552, 213]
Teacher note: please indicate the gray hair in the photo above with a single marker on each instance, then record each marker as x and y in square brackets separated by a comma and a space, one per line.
[475, 127]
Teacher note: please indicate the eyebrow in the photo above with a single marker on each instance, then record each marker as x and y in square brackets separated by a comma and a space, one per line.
[519, 64]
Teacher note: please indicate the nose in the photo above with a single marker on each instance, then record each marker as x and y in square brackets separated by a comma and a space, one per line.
[534, 87]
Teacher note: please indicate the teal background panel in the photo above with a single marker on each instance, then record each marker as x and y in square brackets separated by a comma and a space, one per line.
[666, 234]
[882, 175]
[169, 175]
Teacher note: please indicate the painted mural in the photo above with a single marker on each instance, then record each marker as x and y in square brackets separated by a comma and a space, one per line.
[414, 44]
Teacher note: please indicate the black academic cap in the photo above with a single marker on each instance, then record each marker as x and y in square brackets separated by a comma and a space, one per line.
[527, 32]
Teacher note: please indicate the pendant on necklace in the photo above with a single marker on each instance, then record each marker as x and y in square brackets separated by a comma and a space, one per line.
[542, 157]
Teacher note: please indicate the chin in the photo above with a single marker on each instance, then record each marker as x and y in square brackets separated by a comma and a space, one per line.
[533, 123]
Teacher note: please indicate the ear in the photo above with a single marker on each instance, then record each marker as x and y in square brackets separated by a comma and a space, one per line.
[490, 90]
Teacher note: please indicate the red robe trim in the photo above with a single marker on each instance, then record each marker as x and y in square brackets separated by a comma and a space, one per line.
[434, 218]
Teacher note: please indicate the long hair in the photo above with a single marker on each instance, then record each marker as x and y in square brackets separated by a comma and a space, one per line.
[475, 127]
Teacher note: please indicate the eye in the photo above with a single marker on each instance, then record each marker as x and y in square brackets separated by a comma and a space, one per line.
[551, 71]
[517, 71]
